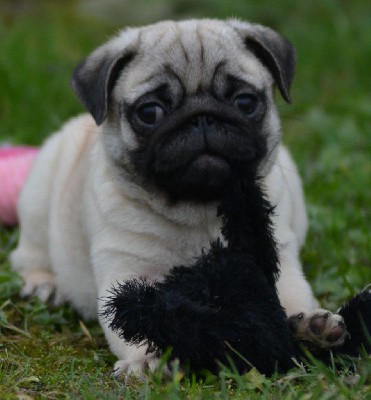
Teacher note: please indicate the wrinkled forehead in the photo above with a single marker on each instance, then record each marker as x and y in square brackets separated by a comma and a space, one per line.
[192, 56]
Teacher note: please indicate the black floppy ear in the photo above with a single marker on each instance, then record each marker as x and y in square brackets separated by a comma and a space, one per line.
[273, 50]
[95, 76]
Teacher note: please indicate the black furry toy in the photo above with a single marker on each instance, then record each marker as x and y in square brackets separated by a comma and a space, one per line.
[225, 306]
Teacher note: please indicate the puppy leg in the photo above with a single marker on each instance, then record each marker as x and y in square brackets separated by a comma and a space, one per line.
[31, 258]
[307, 322]
[294, 291]
[132, 359]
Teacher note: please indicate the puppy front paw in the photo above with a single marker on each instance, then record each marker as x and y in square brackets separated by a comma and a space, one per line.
[320, 328]
[139, 368]
[41, 284]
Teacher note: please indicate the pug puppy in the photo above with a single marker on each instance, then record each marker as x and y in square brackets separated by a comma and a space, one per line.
[132, 190]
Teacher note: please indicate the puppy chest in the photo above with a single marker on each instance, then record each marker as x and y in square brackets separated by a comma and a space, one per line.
[187, 244]
[166, 249]
[160, 245]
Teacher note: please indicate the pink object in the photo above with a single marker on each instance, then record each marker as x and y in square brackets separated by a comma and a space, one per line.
[15, 164]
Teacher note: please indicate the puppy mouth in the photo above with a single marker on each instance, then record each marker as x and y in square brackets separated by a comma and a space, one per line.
[207, 170]
[204, 178]
[207, 161]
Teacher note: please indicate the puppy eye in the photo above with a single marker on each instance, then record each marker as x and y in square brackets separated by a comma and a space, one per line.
[150, 113]
[246, 103]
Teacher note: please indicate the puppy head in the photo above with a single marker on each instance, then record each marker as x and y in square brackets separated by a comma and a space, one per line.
[182, 102]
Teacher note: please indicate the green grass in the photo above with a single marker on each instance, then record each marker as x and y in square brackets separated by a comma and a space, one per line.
[46, 353]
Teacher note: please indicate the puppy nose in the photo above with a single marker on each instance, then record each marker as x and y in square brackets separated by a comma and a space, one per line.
[202, 121]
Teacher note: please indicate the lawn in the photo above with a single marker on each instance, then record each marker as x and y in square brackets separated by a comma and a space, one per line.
[51, 354]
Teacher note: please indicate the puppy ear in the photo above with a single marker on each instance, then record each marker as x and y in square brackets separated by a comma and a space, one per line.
[273, 50]
[94, 78]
